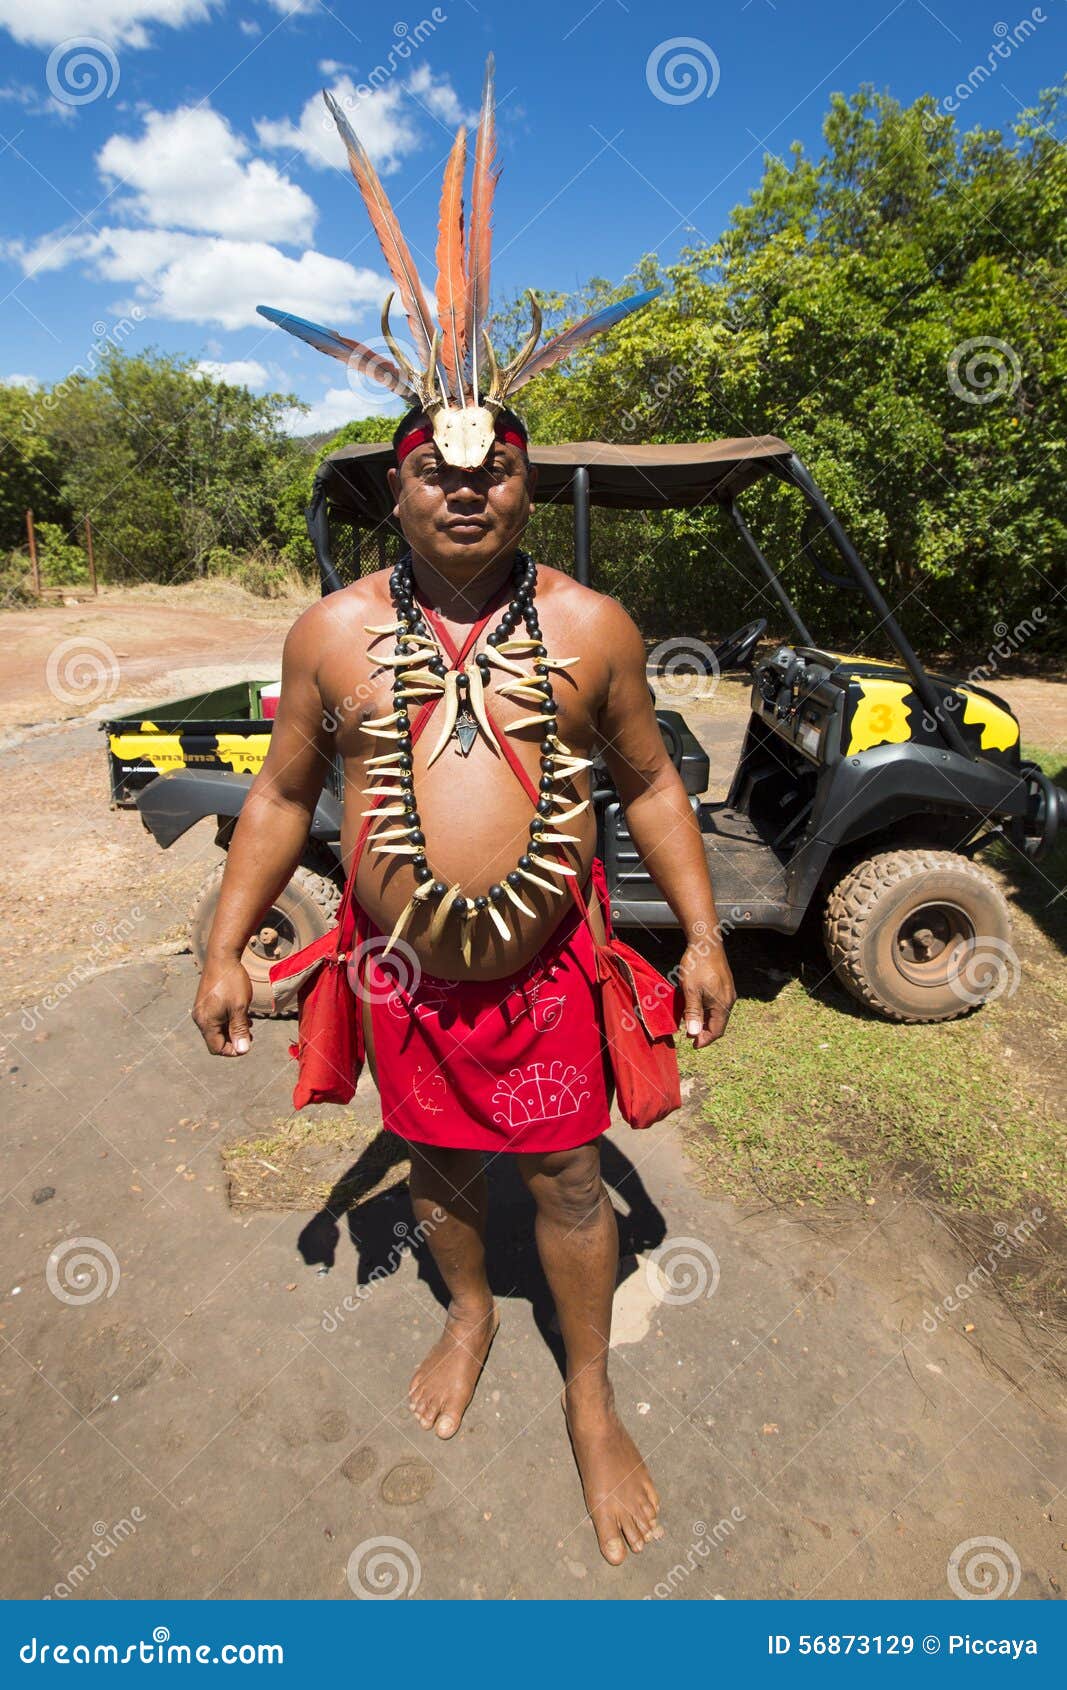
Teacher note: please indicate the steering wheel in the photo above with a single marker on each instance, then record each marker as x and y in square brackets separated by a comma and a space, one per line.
[735, 652]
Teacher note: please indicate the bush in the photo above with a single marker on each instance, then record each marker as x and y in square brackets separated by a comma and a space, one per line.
[266, 574]
[16, 586]
[63, 564]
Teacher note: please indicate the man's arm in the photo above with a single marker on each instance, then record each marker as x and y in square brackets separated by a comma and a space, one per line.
[663, 826]
[268, 840]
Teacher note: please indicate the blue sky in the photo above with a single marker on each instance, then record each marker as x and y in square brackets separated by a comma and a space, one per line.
[166, 163]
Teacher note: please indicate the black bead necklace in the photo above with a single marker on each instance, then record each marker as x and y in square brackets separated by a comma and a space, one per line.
[420, 671]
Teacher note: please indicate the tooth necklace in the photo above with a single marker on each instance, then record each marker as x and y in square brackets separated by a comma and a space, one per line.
[420, 671]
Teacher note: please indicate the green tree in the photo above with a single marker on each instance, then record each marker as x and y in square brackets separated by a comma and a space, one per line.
[175, 469]
[295, 495]
[29, 475]
[894, 310]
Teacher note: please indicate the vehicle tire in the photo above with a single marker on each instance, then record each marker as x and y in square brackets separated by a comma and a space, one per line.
[304, 911]
[919, 935]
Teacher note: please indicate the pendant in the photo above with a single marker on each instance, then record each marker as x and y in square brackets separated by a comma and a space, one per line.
[466, 732]
[465, 728]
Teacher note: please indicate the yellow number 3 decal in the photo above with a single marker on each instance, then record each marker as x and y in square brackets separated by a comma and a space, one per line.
[881, 716]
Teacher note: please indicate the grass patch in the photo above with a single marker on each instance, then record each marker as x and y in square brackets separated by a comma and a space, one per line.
[332, 1162]
[809, 1100]
[806, 1101]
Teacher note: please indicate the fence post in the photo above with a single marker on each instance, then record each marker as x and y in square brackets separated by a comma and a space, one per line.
[32, 538]
[89, 551]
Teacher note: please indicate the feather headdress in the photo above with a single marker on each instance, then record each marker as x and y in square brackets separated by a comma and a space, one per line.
[460, 386]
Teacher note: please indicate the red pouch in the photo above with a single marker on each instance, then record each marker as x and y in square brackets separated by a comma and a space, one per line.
[329, 1045]
[641, 1011]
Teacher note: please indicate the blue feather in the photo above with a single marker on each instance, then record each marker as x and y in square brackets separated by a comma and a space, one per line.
[352, 352]
[571, 339]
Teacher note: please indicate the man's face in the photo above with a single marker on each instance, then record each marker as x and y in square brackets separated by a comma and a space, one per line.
[463, 520]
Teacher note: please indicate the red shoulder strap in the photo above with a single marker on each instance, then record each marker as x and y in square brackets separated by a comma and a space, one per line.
[457, 656]
[425, 712]
[532, 792]
[505, 744]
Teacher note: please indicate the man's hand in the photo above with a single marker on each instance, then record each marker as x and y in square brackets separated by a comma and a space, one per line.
[221, 1007]
[704, 975]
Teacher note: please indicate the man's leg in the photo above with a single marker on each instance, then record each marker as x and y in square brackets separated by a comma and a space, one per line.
[449, 1196]
[578, 1243]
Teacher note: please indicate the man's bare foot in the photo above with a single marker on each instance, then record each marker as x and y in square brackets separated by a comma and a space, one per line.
[443, 1384]
[619, 1494]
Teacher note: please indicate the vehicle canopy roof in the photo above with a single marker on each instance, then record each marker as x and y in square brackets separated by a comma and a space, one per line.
[621, 477]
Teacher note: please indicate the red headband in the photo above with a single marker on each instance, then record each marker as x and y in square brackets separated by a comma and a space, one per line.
[420, 436]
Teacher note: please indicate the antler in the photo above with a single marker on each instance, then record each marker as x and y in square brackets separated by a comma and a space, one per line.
[420, 382]
[500, 381]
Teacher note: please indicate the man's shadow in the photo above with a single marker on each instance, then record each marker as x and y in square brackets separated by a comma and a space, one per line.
[382, 1228]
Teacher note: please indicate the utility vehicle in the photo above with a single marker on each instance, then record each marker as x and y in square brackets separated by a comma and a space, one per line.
[863, 791]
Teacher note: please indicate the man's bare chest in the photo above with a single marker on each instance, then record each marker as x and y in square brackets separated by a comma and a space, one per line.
[357, 682]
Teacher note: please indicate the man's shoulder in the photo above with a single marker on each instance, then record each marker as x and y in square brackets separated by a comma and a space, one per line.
[571, 595]
[366, 598]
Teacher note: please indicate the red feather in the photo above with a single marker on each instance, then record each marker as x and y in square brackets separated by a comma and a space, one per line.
[451, 269]
[388, 231]
[480, 245]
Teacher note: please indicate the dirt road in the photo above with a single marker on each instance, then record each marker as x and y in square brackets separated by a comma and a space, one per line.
[185, 1387]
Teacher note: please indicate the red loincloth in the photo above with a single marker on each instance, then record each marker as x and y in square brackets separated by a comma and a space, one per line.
[515, 1064]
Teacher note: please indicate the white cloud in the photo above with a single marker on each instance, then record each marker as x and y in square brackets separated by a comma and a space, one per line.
[190, 170]
[337, 406]
[51, 252]
[439, 97]
[385, 119]
[123, 23]
[384, 126]
[208, 279]
[248, 26]
[36, 103]
[30, 383]
[332, 67]
[239, 372]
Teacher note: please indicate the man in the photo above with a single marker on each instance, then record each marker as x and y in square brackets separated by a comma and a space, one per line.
[464, 527]
[474, 967]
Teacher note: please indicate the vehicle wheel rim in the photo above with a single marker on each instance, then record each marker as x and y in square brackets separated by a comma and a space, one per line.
[275, 939]
[932, 943]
